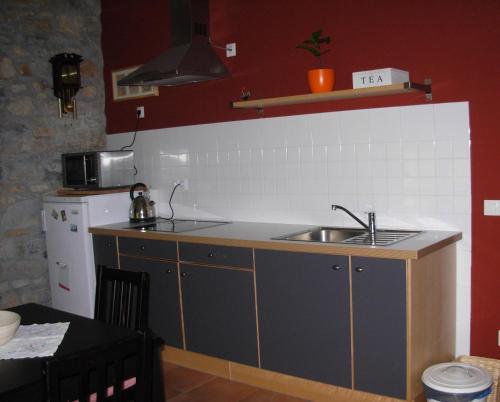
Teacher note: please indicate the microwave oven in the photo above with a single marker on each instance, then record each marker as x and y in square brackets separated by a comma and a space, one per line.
[98, 169]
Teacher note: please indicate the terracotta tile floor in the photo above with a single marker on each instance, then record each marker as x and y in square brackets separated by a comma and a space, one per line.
[186, 385]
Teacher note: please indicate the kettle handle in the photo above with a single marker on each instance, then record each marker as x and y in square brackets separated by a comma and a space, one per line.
[134, 186]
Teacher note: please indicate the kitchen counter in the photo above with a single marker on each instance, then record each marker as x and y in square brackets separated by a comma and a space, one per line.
[260, 235]
[226, 297]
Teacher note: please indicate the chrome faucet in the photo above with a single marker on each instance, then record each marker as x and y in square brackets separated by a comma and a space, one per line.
[371, 227]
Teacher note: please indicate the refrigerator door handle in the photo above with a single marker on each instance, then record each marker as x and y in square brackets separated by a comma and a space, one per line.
[44, 222]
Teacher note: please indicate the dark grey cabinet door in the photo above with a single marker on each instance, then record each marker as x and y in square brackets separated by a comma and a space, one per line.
[379, 325]
[105, 252]
[164, 302]
[303, 306]
[219, 312]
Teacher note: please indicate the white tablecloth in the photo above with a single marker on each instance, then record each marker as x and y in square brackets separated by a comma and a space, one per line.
[37, 340]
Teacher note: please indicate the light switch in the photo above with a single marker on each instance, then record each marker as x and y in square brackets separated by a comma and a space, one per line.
[492, 207]
[230, 49]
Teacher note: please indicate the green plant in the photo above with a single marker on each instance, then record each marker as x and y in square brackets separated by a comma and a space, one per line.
[313, 44]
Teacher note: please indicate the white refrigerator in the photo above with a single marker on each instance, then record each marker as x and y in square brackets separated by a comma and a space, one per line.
[69, 245]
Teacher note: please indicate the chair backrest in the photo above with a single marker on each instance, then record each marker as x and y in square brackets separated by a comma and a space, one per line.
[122, 298]
[96, 374]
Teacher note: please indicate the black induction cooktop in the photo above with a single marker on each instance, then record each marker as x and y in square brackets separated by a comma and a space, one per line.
[176, 225]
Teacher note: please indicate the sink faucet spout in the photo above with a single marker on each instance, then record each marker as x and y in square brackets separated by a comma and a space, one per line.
[370, 228]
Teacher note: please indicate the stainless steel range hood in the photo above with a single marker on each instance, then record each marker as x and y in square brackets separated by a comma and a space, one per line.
[190, 59]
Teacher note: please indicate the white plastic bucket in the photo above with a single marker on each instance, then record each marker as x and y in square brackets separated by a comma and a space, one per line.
[456, 382]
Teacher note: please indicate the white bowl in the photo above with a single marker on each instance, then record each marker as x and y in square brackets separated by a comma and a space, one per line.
[9, 322]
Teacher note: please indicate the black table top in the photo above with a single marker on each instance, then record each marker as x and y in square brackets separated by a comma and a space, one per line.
[21, 379]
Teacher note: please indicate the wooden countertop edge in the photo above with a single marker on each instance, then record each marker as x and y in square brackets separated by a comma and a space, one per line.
[438, 245]
[295, 246]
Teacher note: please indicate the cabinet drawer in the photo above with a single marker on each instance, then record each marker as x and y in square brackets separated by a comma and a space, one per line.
[216, 255]
[148, 248]
[105, 251]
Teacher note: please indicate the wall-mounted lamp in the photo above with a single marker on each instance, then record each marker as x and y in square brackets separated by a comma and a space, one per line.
[66, 78]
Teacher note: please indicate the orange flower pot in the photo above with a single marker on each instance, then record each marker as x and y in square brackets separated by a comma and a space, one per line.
[321, 79]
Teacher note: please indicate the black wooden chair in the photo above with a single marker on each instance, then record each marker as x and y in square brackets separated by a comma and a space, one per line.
[96, 375]
[122, 298]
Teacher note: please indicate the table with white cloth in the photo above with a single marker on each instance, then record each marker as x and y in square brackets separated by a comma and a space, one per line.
[21, 378]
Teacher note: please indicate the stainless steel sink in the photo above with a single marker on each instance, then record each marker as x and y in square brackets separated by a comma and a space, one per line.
[384, 237]
[324, 234]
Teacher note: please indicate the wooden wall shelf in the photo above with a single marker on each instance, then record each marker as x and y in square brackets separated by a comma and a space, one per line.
[395, 89]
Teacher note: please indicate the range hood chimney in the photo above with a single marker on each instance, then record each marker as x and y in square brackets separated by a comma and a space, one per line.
[190, 59]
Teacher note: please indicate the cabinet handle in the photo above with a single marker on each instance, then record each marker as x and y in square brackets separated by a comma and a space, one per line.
[183, 274]
[109, 244]
[142, 247]
[168, 271]
[336, 267]
[359, 269]
[211, 254]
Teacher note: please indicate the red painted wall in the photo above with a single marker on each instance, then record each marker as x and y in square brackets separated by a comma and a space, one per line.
[455, 42]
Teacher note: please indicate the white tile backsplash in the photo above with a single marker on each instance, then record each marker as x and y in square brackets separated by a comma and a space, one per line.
[385, 124]
[451, 121]
[410, 164]
[355, 127]
[394, 150]
[417, 123]
[444, 149]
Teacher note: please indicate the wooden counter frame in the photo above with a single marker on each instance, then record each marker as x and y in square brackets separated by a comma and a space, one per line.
[431, 312]
[431, 315]
[276, 382]
[284, 245]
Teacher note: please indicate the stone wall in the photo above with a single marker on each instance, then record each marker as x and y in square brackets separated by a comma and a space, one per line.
[32, 137]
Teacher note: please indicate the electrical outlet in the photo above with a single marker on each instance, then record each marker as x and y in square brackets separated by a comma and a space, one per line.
[183, 183]
[140, 112]
[230, 49]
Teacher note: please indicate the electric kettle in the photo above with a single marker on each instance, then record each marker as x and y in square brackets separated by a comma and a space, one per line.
[142, 208]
